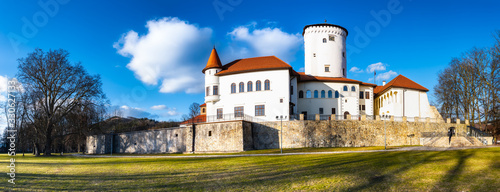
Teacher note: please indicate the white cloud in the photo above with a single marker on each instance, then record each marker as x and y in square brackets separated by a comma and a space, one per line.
[386, 76]
[159, 107]
[171, 112]
[356, 70]
[302, 69]
[251, 42]
[376, 67]
[172, 52]
[127, 111]
[3, 88]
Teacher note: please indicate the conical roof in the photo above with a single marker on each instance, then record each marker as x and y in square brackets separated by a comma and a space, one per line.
[213, 61]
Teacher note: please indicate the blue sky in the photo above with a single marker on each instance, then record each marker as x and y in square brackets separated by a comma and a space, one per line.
[150, 53]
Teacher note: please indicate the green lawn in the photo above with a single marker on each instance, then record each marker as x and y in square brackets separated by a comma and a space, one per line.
[461, 170]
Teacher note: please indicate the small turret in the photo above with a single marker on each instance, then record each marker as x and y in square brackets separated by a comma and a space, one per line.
[211, 80]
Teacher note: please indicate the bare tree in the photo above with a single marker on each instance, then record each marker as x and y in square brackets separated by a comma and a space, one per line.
[194, 110]
[470, 87]
[57, 87]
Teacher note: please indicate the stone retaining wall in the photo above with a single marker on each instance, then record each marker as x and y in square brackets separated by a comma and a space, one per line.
[241, 136]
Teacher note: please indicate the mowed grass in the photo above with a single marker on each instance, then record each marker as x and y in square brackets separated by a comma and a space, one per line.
[460, 170]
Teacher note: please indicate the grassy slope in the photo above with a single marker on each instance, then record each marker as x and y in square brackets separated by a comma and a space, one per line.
[469, 170]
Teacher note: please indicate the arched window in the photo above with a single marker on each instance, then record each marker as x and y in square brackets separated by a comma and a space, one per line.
[345, 88]
[249, 86]
[336, 94]
[322, 93]
[233, 88]
[353, 89]
[257, 86]
[315, 93]
[324, 40]
[242, 87]
[308, 94]
[330, 94]
[267, 85]
[301, 94]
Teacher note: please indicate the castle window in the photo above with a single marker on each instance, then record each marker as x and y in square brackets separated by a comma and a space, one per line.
[343, 71]
[219, 113]
[363, 107]
[233, 88]
[324, 40]
[260, 110]
[249, 86]
[361, 95]
[207, 92]
[336, 94]
[267, 85]
[327, 68]
[209, 133]
[315, 93]
[330, 94]
[203, 110]
[343, 54]
[216, 90]
[321, 111]
[281, 100]
[238, 112]
[367, 95]
[257, 86]
[242, 87]
[322, 93]
[301, 94]
[331, 37]
[345, 88]
[333, 111]
[353, 89]
[314, 54]
[308, 94]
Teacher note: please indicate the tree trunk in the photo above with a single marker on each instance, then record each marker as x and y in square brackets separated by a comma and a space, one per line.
[48, 141]
[36, 150]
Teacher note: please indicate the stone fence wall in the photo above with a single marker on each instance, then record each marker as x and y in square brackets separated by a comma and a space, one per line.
[242, 135]
[348, 133]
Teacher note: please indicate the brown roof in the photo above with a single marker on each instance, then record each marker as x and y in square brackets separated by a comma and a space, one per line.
[203, 105]
[303, 78]
[254, 64]
[401, 82]
[213, 61]
[197, 119]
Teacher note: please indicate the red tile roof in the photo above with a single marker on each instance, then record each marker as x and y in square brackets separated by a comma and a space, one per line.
[197, 119]
[213, 61]
[254, 64]
[303, 78]
[401, 82]
[203, 105]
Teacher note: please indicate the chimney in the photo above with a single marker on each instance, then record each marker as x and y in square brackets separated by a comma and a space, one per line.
[383, 83]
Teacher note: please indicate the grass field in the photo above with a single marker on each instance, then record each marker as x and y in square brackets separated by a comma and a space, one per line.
[460, 170]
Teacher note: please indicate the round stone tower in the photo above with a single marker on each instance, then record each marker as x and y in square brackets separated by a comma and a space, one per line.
[325, 53]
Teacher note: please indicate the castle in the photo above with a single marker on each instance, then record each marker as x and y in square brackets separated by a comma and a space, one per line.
[267, 87]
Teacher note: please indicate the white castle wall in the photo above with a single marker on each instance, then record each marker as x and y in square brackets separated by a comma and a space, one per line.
[416, 103]
[280, 89]
[312, 105]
